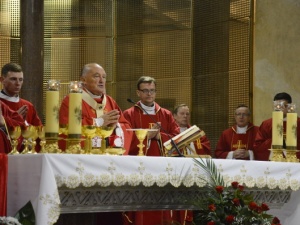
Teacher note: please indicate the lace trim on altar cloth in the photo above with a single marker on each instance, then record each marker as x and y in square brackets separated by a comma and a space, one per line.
[116, 178]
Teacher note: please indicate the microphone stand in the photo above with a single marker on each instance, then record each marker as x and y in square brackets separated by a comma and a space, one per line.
[167, 133]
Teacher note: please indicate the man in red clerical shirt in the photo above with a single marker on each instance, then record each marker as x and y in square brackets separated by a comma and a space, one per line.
[12, 80]
[237, 141]
[98, 108]
[201, 146]
[263, 139]
[148, 114]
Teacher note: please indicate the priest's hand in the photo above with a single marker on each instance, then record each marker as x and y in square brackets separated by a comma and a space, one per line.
[111, 118]
[154, 134]
[23, 110]
[240, 154]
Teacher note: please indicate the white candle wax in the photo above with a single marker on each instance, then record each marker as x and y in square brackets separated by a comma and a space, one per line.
[277, 129]
[75, 106]
[52, 107]
[291, 130]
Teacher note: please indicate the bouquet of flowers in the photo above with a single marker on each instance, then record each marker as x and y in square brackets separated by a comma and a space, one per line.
[229, 205]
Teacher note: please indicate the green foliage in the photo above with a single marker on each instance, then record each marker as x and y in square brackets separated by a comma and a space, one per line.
[26, 215]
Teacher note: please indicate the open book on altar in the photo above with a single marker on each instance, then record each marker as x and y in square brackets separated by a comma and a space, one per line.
[185, 138]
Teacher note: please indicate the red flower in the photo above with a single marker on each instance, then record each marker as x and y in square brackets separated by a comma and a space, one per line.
[258, 209]
[252, 206]
[236, 201]
[241, 187]
[264, 207]
[229, 218]
[219, 189]
[235, 184]
[211, 223]
[275, 220]
[212, 208]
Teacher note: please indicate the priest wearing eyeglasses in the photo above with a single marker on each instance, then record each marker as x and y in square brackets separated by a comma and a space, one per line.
[237, 141]
[148, 114]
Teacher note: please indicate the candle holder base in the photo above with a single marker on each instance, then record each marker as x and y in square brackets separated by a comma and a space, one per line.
[277, 155]
[291, 155]
[73, 146]
[51, 146]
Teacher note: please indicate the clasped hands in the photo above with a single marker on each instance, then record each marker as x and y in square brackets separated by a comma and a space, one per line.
[154, 134]
[240, 153]
[111, 118]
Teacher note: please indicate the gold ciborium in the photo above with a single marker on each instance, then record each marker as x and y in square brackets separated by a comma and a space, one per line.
[89, 131]
[104, 132]
[29, 133]
[14, 134]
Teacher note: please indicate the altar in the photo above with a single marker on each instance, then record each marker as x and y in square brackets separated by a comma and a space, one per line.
[70, 183]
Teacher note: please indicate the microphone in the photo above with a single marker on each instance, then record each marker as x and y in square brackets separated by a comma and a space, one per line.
[166, 132]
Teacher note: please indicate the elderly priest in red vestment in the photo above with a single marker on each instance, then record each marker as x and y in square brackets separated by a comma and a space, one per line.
[99, 108]
[237, 141]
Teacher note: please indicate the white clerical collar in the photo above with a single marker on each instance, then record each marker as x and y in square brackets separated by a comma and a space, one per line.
[241, 130]
[3, 95]
[92, 95]
[148, 109]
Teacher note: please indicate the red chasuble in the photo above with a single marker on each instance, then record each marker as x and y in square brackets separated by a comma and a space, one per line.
[138, 119]
[88, 113]
[263, 140]
[32, 117]
[12, 119]
[230, 140]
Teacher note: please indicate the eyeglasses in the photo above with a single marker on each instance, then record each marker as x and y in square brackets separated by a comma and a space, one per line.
[146, 91]
[242, 114]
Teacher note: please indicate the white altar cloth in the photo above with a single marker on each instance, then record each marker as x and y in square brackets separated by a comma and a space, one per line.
[38, 178]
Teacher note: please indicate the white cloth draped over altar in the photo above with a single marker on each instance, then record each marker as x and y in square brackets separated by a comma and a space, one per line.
[39, 177]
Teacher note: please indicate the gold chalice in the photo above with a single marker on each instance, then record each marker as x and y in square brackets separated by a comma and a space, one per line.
[141, 135]
[104, 132]
[89, 131]
[41, 135]
[34, 136]
[14, 134]
[27, 133]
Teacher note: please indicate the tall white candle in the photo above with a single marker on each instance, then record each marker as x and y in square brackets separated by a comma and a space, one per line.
[52, 106]
[277, 129]
[74, 129]
[291, 130]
